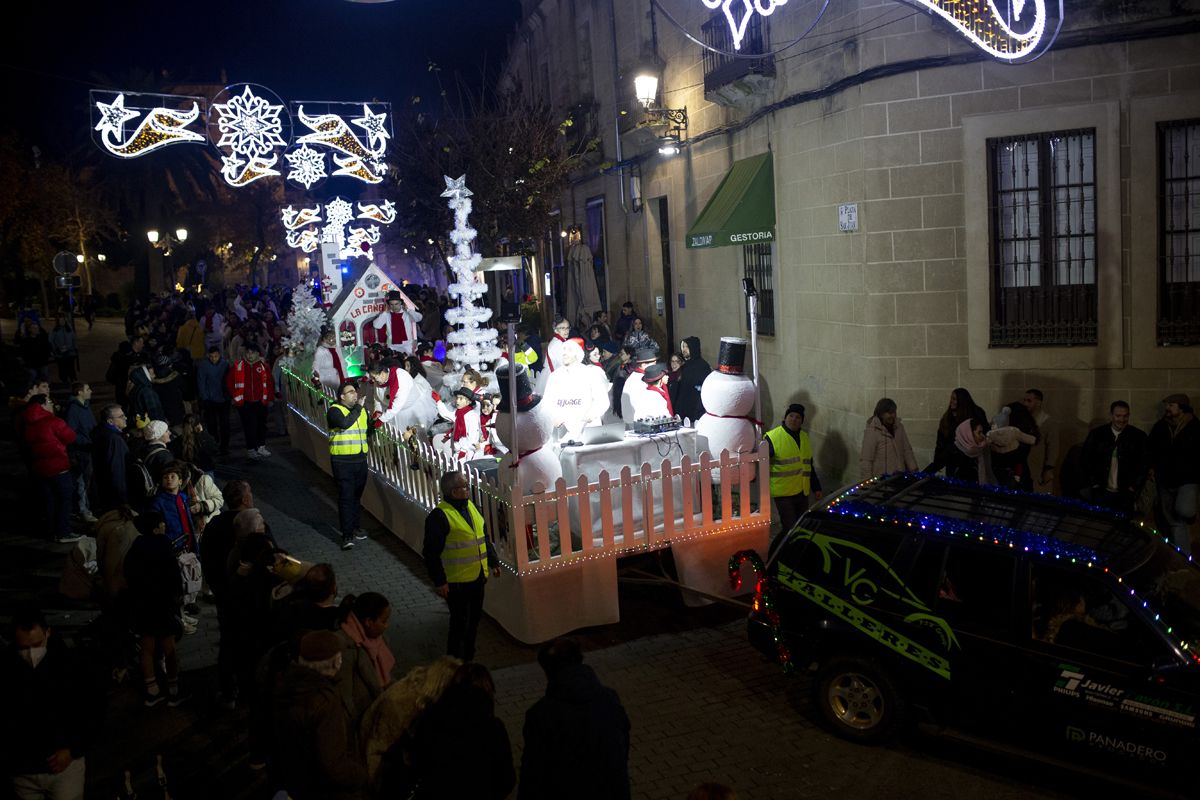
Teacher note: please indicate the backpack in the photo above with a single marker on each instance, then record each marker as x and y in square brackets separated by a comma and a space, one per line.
[140, 481]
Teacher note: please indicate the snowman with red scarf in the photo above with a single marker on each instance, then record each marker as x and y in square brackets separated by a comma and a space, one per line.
[530, 458]
[728, 396]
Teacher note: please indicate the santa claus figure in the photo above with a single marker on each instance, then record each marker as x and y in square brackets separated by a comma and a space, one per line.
[397, 326]
[328, 372]
[393, 385]
[654, 402]
[554, 353]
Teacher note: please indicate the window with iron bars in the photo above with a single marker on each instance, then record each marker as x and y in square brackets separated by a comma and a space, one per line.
[1042, 209]
[756, 260]
[720, 69]
[1179, 232]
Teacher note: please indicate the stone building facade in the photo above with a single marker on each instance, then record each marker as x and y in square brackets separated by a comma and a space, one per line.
[1018, 225]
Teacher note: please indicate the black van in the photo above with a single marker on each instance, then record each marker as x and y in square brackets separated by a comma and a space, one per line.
[1032, 621]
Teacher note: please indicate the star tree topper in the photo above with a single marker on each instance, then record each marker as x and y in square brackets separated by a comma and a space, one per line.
[456, 189]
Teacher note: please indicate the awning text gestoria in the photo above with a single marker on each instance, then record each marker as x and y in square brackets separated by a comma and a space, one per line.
[742, 210]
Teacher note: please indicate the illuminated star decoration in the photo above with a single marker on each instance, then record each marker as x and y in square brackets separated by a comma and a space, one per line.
[113, 117]
[307, 166]
[251, 127]
[374, 125]
[456, 189]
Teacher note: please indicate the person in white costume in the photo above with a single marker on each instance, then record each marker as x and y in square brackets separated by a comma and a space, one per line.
[393, 385]
[554, 353]
[396, 326]
[599, 387]
[420, 409]
[569, 393]
[327, 362]
[634, 388]
[465, 437]
[654, 402]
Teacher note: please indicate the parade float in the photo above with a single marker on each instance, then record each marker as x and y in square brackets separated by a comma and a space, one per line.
[560, 517]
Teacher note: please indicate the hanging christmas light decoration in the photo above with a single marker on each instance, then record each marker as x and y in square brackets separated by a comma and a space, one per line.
[352, 157]
[161, 126]
[293, 219]
[251, 128]
[385, 213]
[307, 166]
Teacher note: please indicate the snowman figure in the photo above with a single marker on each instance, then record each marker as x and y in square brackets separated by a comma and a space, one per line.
[728, 397]
[530, 457]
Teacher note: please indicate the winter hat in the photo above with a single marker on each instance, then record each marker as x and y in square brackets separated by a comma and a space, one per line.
[654, 372]
[795, 408]
[1179, 399]
[155, 430]
[319, 646]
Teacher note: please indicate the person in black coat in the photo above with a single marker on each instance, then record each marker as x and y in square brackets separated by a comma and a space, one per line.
[155, 600]
[1116, 441]
[691, 375]
[110, 455]
[577, 735]
[52, 710]
[462, 728]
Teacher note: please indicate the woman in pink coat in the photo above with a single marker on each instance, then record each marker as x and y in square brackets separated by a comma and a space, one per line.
[885, 445]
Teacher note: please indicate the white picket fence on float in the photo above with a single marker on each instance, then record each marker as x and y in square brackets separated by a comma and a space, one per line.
[641, 509]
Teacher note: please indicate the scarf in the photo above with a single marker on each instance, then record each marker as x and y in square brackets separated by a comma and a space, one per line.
[399, 333]
[337, 362]
[549, 360]
[663, 392]
[460, 422]
[393, 387]
[377, 649]
[964, 440]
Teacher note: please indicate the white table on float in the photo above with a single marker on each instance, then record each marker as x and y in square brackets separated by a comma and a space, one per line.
[632, 452]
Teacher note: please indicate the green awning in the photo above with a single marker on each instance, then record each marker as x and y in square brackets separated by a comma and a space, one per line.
[742, 210]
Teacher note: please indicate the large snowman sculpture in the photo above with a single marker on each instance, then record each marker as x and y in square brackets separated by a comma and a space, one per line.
[728, 397]
[530, 458]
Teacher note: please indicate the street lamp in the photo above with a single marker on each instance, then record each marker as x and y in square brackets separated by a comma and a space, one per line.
[164, 242]
[645, 88]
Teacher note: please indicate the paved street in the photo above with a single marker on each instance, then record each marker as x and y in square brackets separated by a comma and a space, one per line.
[703, 704]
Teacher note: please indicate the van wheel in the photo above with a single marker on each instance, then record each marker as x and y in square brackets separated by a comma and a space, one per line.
[858, 699]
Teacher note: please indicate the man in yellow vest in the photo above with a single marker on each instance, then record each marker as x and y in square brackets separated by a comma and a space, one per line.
[793, 478]
[349, 433]
[459, 556]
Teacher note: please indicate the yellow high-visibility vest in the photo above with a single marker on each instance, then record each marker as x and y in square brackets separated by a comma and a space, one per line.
[351, 441]
[791, 468]
[465, 553]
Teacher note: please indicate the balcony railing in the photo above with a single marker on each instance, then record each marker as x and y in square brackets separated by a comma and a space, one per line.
[720, 69]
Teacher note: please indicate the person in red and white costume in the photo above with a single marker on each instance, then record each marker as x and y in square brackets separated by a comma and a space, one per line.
[655, 401]
[634, 387]
[435, 373]
[554, 353]
[398, 324]
[392, 387]
[327, 362]
[464, 440]
[492, 446]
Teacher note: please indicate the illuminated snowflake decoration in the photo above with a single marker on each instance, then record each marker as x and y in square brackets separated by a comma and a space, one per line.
[307, 166]
[249, 125]
[338, 212]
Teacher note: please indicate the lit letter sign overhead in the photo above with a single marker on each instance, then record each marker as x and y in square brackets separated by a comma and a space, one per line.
[1010, 30]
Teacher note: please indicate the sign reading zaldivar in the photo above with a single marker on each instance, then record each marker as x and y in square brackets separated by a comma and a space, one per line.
[742, 209]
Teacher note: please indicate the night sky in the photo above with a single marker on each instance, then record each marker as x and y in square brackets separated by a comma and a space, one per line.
[301, 49]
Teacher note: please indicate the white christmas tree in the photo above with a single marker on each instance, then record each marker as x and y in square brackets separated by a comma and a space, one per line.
[304, 325]
[472, 344]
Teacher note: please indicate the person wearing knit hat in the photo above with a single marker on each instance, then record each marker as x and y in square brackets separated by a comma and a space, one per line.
[312, 729]
[1175, 459]
[156, 456]
[793, 478]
